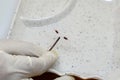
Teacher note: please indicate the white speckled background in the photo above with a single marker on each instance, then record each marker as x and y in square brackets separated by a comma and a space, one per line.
[92, 28]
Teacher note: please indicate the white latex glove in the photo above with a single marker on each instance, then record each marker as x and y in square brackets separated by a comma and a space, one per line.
[19, 60]
[65, 78]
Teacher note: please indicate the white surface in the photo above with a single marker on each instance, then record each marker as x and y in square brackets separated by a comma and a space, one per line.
[40, 20]
[92, 28]
[7, 11]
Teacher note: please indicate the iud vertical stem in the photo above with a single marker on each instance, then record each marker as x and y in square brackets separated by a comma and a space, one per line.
[54, 44]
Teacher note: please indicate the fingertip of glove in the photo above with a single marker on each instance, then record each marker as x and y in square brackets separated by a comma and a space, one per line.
[54, 53]
[66, 77]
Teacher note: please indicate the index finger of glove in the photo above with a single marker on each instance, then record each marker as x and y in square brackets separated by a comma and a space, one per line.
[21, 48]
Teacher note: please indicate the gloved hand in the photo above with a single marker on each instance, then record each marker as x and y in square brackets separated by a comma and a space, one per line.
[19, 60]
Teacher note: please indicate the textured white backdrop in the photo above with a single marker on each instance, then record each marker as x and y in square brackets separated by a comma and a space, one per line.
[7, 11]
